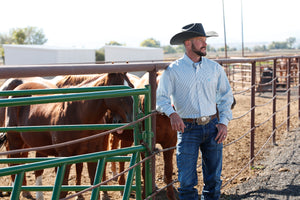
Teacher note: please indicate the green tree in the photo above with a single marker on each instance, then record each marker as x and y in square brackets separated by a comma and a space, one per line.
[180, 49]
[210, 48]
[150, 43]
[100, 56]
[5, 39]
[169, 49]
[114, 43]
[291, 41]
[278, 45]
[18, 36]
[223, 48]
[2, 53]
[28, 35]
[260, 48]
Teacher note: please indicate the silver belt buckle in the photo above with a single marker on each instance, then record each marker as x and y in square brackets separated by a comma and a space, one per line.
[203, 120]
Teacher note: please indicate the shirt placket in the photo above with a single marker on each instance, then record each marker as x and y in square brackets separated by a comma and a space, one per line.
[199, 88]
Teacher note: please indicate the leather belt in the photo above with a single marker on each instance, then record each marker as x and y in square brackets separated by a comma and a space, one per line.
[201, 120]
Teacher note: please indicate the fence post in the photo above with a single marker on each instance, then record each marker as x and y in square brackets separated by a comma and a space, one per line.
[253, 79]
[17, 185]
[288, 93]
[152, 81]
[299, 88]
[274, 85]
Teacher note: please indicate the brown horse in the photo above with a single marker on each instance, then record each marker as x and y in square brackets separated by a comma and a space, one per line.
[86, 112]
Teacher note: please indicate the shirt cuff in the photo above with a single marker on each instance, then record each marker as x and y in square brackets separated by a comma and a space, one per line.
[224, 121]
[169, 112]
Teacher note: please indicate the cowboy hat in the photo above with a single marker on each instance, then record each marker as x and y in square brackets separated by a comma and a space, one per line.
[191, 31]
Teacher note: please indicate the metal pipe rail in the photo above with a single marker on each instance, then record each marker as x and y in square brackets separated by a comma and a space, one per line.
[61, 163]
[73, 69]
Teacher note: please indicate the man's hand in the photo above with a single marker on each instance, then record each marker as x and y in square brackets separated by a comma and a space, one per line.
[176, 122]
[222, 133]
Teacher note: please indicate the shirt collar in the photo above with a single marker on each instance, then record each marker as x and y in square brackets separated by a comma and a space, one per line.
[189, 61]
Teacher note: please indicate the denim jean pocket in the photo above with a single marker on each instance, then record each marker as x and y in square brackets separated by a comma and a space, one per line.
[188, 126]
[213, 124]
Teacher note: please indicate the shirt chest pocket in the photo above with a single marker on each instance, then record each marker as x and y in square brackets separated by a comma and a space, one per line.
[208, 81]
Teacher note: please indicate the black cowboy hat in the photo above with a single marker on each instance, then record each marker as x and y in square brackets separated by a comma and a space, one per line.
[191, 31]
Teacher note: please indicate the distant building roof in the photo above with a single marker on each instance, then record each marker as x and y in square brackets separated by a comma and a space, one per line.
[41, 54]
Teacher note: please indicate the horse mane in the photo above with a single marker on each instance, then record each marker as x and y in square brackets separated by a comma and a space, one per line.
[73, 80]
[108, 79]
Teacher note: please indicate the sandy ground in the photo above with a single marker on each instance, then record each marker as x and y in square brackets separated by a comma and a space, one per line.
[236, 155]
[279, 177]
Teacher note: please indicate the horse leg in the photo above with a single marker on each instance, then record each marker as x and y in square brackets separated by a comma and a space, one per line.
[63, 194]
[38, 180]
[102, 145]
[114, 142]
[79, 167]
[168, 167]
[92, 166]
[124, 143]
[14, 141]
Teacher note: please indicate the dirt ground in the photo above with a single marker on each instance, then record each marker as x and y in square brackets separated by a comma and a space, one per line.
[236, 155]
[279, 179]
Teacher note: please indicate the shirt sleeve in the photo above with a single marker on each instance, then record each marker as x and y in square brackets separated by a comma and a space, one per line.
[224, 99]
[163, 94]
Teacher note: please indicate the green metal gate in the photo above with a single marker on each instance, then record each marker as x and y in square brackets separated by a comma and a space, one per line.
[100, 157]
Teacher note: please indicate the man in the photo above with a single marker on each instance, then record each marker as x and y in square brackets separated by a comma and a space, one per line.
[197, 87]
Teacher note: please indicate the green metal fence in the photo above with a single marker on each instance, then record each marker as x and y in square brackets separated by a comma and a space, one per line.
[100, 157]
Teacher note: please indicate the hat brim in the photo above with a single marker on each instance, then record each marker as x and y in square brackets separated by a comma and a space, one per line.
[179, 38]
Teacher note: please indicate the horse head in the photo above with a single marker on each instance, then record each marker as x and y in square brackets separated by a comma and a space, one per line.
[120, 108]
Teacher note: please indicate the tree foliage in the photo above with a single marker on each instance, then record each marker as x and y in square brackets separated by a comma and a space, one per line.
[278, 45]
[28, 35]
[150, 43]
[288, 44]
[260, 48]
[100, 56]
[114, 43]
[291, 41]
[210, 48]
[169, 49]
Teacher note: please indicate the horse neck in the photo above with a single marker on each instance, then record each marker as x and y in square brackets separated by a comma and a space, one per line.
[86, 111]
[94, 110]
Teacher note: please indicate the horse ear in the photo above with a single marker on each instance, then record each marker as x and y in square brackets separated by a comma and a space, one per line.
[128, 80]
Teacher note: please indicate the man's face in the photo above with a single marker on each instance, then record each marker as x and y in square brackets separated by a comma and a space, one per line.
[199, 45]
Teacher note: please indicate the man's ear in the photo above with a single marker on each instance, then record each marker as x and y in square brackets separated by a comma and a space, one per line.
[187, 43]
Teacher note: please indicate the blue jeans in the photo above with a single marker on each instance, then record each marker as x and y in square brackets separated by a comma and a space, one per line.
[197, 137]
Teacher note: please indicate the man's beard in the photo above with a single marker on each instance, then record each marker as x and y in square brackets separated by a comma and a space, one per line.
[199, 53]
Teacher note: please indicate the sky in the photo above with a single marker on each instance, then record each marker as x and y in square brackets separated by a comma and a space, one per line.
[93, 23]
